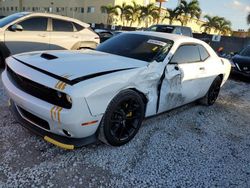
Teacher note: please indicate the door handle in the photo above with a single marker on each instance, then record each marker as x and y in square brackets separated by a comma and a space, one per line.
[202, 68]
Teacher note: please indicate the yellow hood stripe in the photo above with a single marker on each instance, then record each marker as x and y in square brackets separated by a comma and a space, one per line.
[58, 115]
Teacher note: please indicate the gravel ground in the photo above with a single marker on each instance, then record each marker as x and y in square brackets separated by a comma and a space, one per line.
[192, 146]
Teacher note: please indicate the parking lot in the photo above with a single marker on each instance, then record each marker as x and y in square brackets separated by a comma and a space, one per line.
[191, 146]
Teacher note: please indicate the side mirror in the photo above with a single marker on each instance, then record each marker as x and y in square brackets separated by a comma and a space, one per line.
[16, 27]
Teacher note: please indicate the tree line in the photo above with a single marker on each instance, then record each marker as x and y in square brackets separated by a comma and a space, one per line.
[151, 14]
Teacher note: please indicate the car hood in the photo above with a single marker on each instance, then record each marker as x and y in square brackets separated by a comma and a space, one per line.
[241, 59]
[75, 66]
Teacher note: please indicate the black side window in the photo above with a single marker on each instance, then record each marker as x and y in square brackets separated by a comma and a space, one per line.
[35, 24]
[63, 26]
[186, 31]
[78, 27]
[186, 54]
[203, 52]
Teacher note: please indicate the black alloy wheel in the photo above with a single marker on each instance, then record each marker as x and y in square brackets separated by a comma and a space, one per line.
[123, 118]
[212, 93]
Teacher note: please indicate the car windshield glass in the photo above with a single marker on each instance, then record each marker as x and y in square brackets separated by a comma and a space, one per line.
[245, 52]
[9, 19]
[137, 46]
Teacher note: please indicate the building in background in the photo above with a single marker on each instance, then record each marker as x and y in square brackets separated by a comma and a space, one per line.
[241, 33]
[85, 10]
[88, 11]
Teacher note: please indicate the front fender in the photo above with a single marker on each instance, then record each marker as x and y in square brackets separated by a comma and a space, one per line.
[99, 92]
[103, 92]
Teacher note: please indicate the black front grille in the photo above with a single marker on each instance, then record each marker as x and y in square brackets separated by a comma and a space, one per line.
[38, 121]
[37, 90]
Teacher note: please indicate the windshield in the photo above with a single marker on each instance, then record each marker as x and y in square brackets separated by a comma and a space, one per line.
[245, 52]
[137, 46]
[6, 20]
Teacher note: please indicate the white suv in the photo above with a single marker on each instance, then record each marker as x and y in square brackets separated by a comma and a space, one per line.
[25, 31]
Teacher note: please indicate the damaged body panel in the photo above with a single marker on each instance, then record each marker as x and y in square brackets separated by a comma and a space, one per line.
[148, 74]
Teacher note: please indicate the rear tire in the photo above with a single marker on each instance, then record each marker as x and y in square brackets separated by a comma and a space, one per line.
[122, 118]
[213, 92]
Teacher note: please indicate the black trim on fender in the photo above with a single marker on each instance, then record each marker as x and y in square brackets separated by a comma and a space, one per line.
[44, 72]
[76, 80]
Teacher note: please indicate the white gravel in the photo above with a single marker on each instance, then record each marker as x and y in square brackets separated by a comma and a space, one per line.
[192, 146]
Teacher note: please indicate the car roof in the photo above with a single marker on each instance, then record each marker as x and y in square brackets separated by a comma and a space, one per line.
[55, 16]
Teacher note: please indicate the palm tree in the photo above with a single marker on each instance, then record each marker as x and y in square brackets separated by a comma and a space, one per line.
[171, 15]
[219, 24]
[147, 12]
[124, 11]
[224, 26]
[133, 13]
[212, 23]
[160, 1]
[111, 11]
[188, 10]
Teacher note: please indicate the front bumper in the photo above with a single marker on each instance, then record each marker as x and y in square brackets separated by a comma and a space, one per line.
[60, 141]
[59, 122]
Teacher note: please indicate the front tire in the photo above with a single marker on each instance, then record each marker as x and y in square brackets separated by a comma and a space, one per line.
[122, 118]
[213, 92]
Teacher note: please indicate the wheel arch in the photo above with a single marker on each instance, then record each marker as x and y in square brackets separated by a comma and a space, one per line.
[143, 96]
[221, 76]
[4, 53]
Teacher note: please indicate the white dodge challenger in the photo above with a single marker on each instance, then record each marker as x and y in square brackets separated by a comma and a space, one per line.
[72, 98]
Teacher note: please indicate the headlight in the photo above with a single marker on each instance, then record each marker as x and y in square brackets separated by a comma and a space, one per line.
[69, 99]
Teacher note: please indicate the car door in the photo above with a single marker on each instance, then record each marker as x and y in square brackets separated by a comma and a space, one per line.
[181, 82]
[63, 35]
[32, 37]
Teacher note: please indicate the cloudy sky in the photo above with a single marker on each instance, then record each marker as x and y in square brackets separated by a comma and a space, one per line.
[234, 10]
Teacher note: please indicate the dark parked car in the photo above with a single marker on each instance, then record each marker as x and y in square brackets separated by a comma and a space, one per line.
[104, 34]
[175, 29]
[241, 63]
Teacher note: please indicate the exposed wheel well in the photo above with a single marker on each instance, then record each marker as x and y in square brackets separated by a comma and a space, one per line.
[144, 98]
